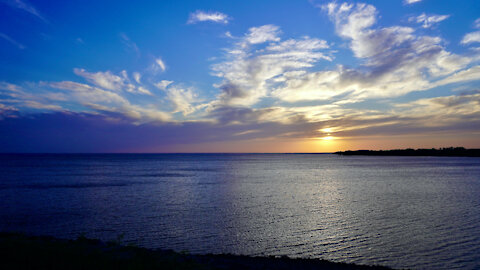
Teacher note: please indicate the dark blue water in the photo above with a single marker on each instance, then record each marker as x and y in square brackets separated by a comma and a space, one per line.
[403, 212]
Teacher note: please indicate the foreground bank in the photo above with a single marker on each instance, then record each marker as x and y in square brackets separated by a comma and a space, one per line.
[18, 251]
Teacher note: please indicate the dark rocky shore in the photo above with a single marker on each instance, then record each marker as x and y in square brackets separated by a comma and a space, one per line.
[18, 251]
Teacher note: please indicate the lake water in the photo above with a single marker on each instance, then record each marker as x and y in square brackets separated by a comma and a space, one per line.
[403, 212]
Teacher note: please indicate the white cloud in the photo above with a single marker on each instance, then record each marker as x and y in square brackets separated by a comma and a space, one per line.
[10, 87]
[471, 38]
[462, 110]
[306, 44]
[7, 111]
[428, 21]
[202, 16]
[476, 23]
[25, 6]
[143, 90]
[181, 99]
[408, 2]
[159, 65]
[129, 43]
[262, 34]
[137, 76]
[106, 80]
[11, 40]
[396, 61]
[250, 74]
[86, 93]
[106, 101]
[466, 75]
[162, 85]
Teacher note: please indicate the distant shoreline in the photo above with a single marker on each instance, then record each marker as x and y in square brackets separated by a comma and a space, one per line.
[19, 251]
[441, 152]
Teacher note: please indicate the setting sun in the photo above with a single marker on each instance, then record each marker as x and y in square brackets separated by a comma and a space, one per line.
[328, 138]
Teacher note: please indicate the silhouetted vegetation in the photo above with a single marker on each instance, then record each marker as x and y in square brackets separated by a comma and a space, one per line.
[18, 251]
[443, 152]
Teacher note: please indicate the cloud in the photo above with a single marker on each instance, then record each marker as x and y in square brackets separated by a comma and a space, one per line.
[7, 111]
[158, 65]
[396, 61]
[25, 6]
[466, 75]
[105, 80]
[202, 16]
[108, 80]
[108, 102]
[473, 37]
[129, 43]
[19, 97]
[447, 113]
[409, 2]
[162, 85]
[86, 93]
[428, 21]
[181, 99]
[10, 87]
[249, 73]
[262, 34]
[476, 23]
[137, 76]
[12, 41]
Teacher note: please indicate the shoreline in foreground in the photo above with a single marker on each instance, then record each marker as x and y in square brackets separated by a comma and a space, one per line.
[19, 251]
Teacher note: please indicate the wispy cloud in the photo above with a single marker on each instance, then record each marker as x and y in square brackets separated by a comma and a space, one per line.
[25, 6]
[105, 80]
[10, 87]
[473, 37]
[108, 80]
[250, 73]
[12, 41]
[137, 76]
[396, 59]
[129, 43]
[409, 2]
[210, 16]
[105, 101]
[158, 65]
[263, 34]
[476, 23]
[428, 21]
[182, 99]
[163, 84]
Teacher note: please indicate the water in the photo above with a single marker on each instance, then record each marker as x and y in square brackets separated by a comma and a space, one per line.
[403, 212]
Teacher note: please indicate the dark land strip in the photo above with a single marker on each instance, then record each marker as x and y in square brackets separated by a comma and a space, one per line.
[441, 152]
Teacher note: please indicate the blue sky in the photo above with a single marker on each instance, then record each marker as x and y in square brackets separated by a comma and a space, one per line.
[238, 76]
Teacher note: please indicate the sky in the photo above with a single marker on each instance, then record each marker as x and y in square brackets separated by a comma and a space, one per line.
[238, 76]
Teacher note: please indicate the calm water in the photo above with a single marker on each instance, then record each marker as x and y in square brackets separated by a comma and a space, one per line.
[403, 212]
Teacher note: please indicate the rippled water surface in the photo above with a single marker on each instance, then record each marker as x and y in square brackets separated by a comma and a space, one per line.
[403, 212]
